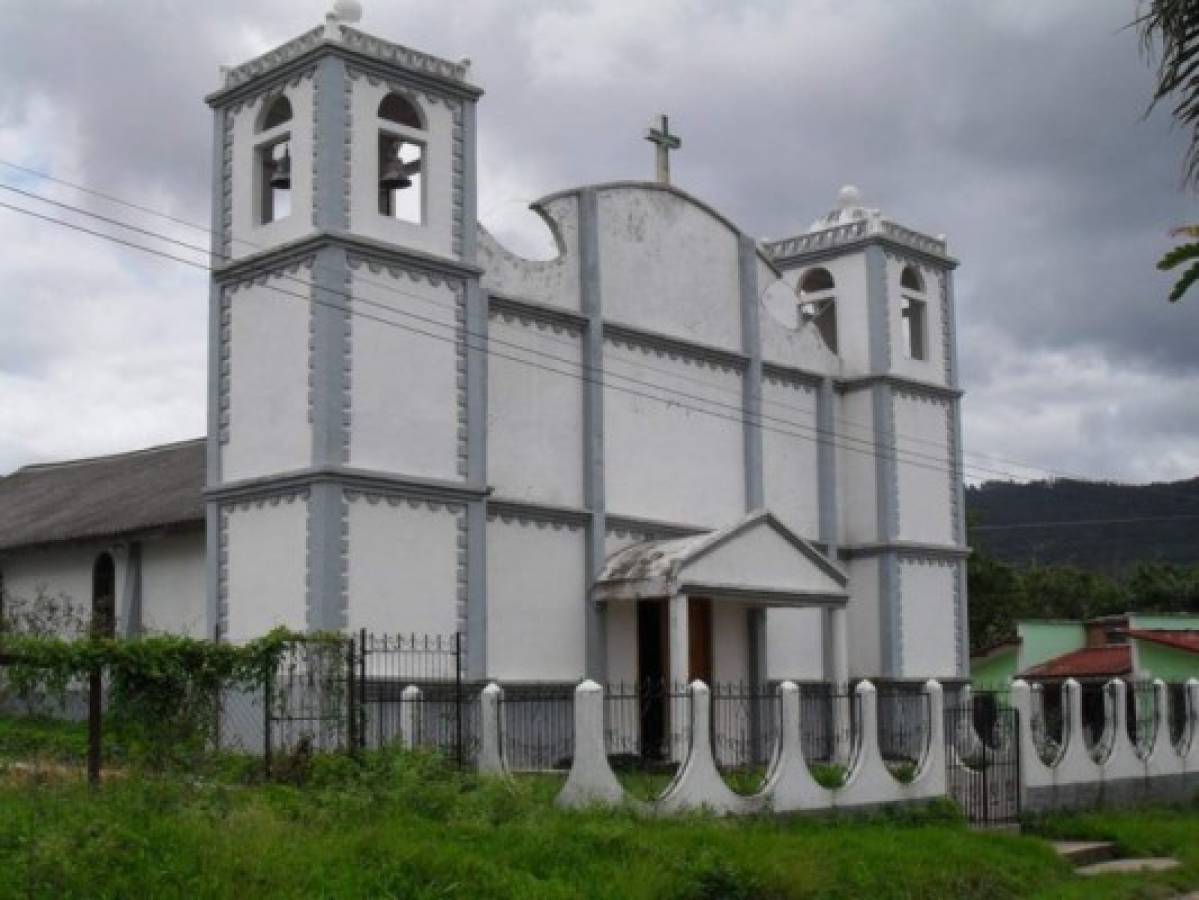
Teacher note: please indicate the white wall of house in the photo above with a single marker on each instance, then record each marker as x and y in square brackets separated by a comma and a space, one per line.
[62, 574]
[534, 416]
[927, 625]
[554, 281]
[664, 459]
[535, 578]
[268, 359]
[789, 459]
[669, 266]
[173, 593]
[403, 572]
[795, 644]
[405, 400]
[927, 489]
[266, 566]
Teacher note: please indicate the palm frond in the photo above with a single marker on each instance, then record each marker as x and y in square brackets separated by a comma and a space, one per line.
[1180, 287]
[1178, 255]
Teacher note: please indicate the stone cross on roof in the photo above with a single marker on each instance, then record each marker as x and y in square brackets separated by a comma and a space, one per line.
[659, 134]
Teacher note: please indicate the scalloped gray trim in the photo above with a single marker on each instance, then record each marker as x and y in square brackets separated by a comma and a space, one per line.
[849, 384]
[800, 381]
[539, 518]
[539, 323]
[666, 347]
[273, 59]
[225, 356]
[399, 55]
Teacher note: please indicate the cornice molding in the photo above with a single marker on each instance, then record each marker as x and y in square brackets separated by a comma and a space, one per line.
[824, 252]
[539, 514]
[349, 478]
[901, 383]
[673, 347]
[906, 550]
[531, 311]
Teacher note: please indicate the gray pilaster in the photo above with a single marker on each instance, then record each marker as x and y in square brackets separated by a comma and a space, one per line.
[826, 464]
[328, 369]
[212, 566]
[957, 472]
[330, 175]
[476, 468]
[212, 476]
[326, 575]
[594, 495]
[470, 197]
[751, 381]
[886, 466]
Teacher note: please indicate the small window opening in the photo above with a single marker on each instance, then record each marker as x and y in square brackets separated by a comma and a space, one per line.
[914, 314]
[274, 178]
[104, 597]
[401, 177]
[817, 305]
[910, 279]
[914, 326]
[272, 162]
[401, 160]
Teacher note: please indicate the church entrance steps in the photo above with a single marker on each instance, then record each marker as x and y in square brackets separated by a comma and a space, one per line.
[1085, 853]
[1103, 858]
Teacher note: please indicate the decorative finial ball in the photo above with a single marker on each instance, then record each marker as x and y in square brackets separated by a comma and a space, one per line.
[849, 196]
[347, 10]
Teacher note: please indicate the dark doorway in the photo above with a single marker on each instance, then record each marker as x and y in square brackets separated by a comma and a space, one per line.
[653, 674]
[699, 639]
[104, 597]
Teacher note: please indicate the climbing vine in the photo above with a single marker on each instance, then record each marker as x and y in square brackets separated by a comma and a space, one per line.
[163, 692]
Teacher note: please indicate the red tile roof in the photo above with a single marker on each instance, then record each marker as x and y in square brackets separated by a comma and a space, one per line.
[1090, 662]
[1179, 640]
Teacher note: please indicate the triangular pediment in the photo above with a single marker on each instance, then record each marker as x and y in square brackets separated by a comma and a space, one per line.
[758, 557]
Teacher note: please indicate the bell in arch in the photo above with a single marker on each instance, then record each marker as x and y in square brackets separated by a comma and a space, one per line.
[397, 174]
[281, 172]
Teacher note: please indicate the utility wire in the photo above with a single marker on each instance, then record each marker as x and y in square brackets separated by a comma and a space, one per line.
[391, 288]
[815, 433]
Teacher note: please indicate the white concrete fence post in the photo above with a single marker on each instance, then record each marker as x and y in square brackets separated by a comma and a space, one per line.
[591, 780]
[491, 754]
[410, 706]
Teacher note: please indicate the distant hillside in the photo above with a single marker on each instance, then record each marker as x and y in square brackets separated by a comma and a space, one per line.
[1108, 547]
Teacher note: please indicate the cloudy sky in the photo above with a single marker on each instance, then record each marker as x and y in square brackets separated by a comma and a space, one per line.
[1016, 128]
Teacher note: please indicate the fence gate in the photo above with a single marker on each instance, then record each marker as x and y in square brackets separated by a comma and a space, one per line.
[982, 756]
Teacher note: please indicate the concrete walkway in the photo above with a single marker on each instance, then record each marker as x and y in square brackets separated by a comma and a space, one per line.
[1103, 858]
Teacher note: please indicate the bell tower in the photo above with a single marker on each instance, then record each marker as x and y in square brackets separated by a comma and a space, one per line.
[341, 379]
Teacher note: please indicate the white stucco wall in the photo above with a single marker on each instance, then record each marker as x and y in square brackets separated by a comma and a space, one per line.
[268, 378]
[789, 459]
[534, 416]
[795, 644]
[856, 468]
[862, 612]
[405, 398]
[925, 494]
[403, 565]
[555, 281]
[174, 599]
[762, 557]
[666, 460]
[622, 642]
[668, 266]
[265, 571]
[929, 640]
[249, 237]
[534, 600]
[730, 643]
[61, 574]
[436, 234]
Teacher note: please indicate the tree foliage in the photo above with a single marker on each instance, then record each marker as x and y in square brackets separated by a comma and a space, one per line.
[1169, 31]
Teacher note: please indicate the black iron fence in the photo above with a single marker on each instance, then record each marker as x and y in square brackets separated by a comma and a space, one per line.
[646, 723]
[904, 714]
[829, 724]
[746, 721]
[537, 730]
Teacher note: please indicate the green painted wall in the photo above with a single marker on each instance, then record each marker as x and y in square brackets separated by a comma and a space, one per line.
[1166, 663]
[995, 671]
[1041, 641]
[1164, 621]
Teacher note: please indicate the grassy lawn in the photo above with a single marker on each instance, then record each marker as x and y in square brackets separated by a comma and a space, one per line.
[406, 826]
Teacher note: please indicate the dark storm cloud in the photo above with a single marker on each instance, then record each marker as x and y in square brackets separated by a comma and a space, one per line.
[1014, 127]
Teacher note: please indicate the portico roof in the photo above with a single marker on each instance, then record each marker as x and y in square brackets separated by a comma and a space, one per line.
[757, 560]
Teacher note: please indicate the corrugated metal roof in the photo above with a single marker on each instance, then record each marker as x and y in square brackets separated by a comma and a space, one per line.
[1090, 662]
[103, 496]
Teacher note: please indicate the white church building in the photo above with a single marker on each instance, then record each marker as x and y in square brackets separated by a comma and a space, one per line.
[672, 450]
